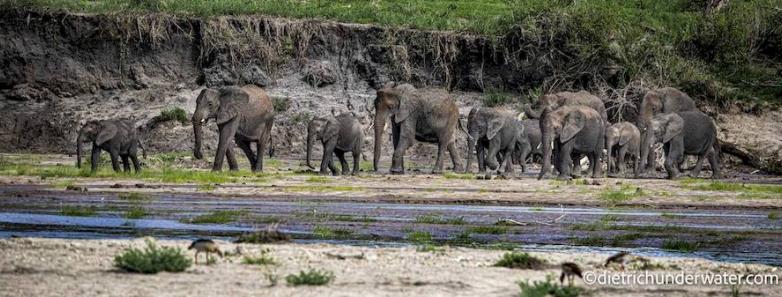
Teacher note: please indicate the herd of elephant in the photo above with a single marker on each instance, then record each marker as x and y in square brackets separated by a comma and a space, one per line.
[563, 127]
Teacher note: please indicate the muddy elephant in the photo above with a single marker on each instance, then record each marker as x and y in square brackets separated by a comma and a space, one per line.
[557, 100]
[426, 115]
[527, 143]
[117, 137]
[626, 138]
[243, 113]
[338, 134]
[491, 133]
[571, 130]
[658, 101]
[687, 133]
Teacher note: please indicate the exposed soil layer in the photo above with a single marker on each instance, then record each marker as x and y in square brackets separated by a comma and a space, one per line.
[58, 70]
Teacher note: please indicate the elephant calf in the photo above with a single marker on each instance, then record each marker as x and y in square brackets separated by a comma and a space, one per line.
[491, 132]
[627, 138]
[527, 142]
[338, 135]
[687, 133]
[118, 137]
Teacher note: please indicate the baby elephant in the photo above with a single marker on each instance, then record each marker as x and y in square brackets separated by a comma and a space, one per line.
[118, 137]
[339, 134]
[687, 133]
[527, 143]
[491, 133]
[627, 139]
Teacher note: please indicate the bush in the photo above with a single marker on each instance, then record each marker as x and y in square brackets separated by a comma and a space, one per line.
[519, 261]
[173, 114]
[310, 278]
[152, 259]
[549, 287]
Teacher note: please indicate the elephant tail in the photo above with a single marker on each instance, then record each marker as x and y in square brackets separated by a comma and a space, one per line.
[461, 127]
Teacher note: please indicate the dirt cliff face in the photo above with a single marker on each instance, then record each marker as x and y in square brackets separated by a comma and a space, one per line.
[59, 70]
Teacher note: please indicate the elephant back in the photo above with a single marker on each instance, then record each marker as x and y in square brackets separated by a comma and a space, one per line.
[259, 102]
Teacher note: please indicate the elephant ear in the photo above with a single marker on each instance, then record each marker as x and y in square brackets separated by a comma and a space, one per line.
[106, 133]
[232, 100]
[493, 127]
[404, 109]
[330, 130]
[624, 136]
[674, 126]
[574, 122]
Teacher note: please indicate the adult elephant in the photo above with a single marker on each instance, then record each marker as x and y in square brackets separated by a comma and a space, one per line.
[117, 137]
[557, 100]
[492, 132]
[426, 115]
[243, 113]
[658, 101]
[571, 130]
[687, 133]
[338, 134]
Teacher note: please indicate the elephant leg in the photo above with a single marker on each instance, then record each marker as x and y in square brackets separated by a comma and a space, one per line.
[125, 163]
[525, 153]
[95, 159]
[696, 170]
[480, 151]
[328, 155]
[438, 162]
[136, 163]
[343, 162]
[672, 155]
[508, 163]
[114, 160]
[231, 157]
[248, 152]
[714, 161]
[594, 163]
[457, 163]
[356, 159]
[406, 135]
[332, 167]
[261, 148]
[565, 161]
[576, 164]
[620, 158]
[227, 132]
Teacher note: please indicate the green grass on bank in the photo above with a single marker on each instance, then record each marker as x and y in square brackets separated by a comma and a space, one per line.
[744, 190]
[730, 54]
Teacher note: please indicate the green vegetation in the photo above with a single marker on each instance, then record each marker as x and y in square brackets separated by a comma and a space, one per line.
[135, 212]
[618, 240]
[549, 287]
[670, 216]
[520, 261]
[134, 196]
[310, 278]
[78, 211]
[435, 219]
[331, 233]
[494, 98]
[318, 179]
[453, 175]
[281, 104]
[625, 193]
[173, 114]
[216, 217]
[680, 245]
[322, 188]
[263, 259]
[488, 229]
[773, 215]
[206, 187]
[744, 190]
[419, 237]
[152, 259]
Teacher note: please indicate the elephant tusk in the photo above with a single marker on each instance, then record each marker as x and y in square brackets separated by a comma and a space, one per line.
[203, 121]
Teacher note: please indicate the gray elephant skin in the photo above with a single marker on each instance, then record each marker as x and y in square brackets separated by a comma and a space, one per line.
[571, 130]
[117, 137]
[557, 100]
[338, 134]
[527, 143]
[491, 132]
[687, 133]
[658, 101]
[426, 115]
[626, 138]
[243, 113]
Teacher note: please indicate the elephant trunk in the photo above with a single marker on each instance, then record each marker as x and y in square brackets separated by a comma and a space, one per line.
[547, 136]
[470, 152]
[646, 145]
[533, 114]
[197, 122]
[609, 155]
[79, 141]
[310, 143]
[380, 126]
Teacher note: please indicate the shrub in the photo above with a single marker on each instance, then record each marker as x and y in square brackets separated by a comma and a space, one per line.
[549, 287]
[173, 114]
[310, 278]
[152, 259]
[263, 259]
[520, 261]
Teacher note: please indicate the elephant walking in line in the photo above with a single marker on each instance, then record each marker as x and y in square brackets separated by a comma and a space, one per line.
[627, 138]
[658, 101]
[426, 115]
[491, 133]
[527, 143]
[571, 130]
[243, 113]
[687, 133]
[117, 137]
[557, 100]
[338, 135]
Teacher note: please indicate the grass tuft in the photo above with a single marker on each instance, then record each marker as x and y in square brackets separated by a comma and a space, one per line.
[310, 278]
[625, 193]
[680, 245]
[549, 287]
[263, 259]
[135, 212]
[152, 259]
[488, 229]
[77, 211]
[519, 260]
[173, 114]
[439, 220]
[216, 217]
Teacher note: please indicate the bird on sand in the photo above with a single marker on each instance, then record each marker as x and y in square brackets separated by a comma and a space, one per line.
[618, 258]
[207, 246]
[570, 270]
